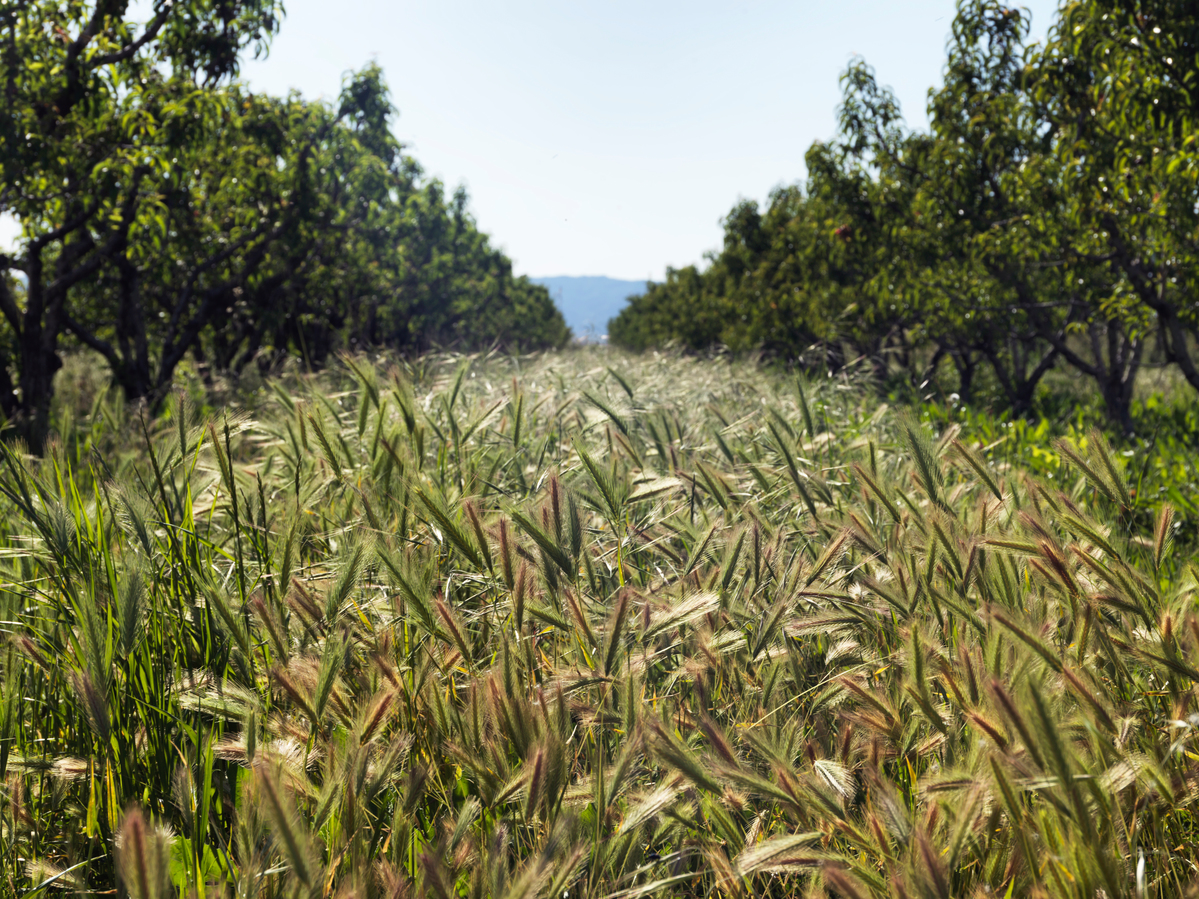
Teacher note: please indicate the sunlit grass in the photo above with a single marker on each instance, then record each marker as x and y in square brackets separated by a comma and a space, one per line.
[593, 625]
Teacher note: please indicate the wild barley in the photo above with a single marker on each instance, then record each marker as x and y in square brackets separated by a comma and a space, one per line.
[142, 858]
[599, 625]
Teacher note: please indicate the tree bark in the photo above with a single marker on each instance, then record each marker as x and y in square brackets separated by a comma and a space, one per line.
[39, 358]
[966, 365]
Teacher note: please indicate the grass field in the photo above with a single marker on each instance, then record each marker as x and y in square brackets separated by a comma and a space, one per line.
[590, 625]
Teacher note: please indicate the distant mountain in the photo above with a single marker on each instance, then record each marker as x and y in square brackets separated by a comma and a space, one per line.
[587, 302]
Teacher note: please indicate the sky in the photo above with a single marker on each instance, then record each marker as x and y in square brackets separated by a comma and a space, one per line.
[605, 137]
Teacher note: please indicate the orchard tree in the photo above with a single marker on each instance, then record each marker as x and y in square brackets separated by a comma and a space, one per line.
[97, 106]
[260, 218]
[168, 210]
[450, 287]
[1120, 88]
[985, 240]
[1048, 216]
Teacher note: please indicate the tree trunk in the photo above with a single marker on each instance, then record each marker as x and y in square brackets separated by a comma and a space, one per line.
[1115, 361]
[929, 375]
[1019, 384]
[1123, 359]
[133, 372]
[39, 360]
[966, 365]
[202, 366]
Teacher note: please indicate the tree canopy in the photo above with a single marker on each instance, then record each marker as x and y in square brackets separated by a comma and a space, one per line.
[166, 209]
[1047, 217]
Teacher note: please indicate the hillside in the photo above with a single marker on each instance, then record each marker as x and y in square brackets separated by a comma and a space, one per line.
[588, 302]
[591, 625]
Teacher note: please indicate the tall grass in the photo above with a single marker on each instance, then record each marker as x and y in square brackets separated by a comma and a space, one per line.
[587, 625]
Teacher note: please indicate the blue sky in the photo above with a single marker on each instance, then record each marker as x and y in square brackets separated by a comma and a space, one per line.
[609, 138]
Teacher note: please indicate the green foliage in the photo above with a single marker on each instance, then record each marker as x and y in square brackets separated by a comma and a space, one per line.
[1046, 219]
[168, 211]
[599, 625]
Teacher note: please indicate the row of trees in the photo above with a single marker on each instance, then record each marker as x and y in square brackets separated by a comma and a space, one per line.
[168, 210]
[1049, 216]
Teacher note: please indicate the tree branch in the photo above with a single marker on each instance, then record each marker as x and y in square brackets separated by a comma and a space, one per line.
[152, 29]
[116, 241]
[103, 347]
[70, 93]
[8, 306]
[43, 240]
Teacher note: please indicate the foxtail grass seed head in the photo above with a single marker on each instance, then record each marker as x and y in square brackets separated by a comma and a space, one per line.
[588, 624]
[143, 857]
